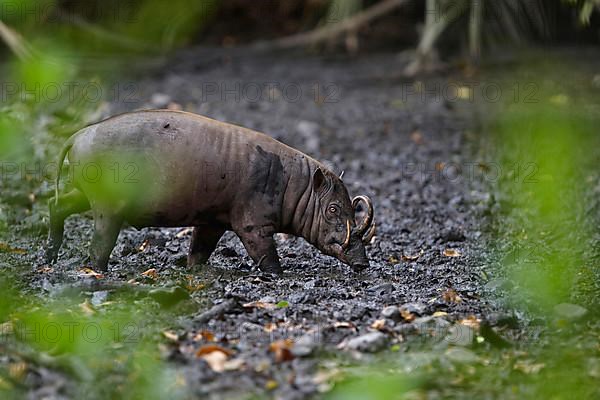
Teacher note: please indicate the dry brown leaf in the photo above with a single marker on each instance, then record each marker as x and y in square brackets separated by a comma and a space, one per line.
[216, 360]
[471, 321]
[144, 246]
[270, 327]
[412, 257]
[204, 335]
[260, 304]
[90, 273]
[4, 248]
[6, 328]
[407, 315]
[233, 365]
[378, 324]
[211, 348]
[45, 270]
[452, 253]
[17, 370]
[451, 296]
[170, 335]
[439, 314]
[282, 350]
[417, 137]
[348, 325]
[193, 286]
[151, 273]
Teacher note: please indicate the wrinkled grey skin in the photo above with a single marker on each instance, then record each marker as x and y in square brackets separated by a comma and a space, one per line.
[174, 169]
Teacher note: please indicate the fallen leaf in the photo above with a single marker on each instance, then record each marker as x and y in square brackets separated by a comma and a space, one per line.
[216, 360]
[327, 375]
[407, 315]
[260, 304]
[6, 328]
[170, 335]
[417, 137]
[439, 314]
[211, 348]
[17, 370]
[282, 304]
[193, 286]
[90, 273]
[204, 335]
[348, 325]
[412, 257]
[392, 260]
[233, 365]
[45, 270]
[378, 324]
[144, 245]
[282, 350]
[270, 327]
[452, 253]
[528, 367]
[4, 248]
[151, 273]
[451, 296]
[471, 321]
[271, 384]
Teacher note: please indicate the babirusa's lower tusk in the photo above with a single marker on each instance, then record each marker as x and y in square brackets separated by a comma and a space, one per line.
[347, 241]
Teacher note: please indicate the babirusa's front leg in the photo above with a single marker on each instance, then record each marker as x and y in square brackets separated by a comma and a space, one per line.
[260, 245]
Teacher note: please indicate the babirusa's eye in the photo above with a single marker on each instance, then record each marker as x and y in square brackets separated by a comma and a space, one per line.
[333, 209]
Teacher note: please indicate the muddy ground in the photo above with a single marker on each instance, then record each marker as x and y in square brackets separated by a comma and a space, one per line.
[418, 157]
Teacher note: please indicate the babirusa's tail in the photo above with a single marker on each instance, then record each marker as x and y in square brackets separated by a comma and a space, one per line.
[61, 160]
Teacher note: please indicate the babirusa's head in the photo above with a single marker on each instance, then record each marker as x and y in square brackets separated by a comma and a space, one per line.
[339, 233]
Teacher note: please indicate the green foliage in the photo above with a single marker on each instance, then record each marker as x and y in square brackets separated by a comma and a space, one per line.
[586, 7]
[372, 386]
[342, 9]
[111, 350]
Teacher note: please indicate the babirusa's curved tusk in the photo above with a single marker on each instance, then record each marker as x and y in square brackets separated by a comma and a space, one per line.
[347, 241]
[370, 233]
[366, 224]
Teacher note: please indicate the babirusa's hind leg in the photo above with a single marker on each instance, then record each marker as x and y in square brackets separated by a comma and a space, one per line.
[106, 230]
[204, 241]
[71, 203]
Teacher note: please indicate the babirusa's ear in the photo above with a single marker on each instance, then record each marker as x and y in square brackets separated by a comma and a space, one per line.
[319, 181]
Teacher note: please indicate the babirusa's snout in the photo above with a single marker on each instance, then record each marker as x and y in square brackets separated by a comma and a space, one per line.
[366, 229]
